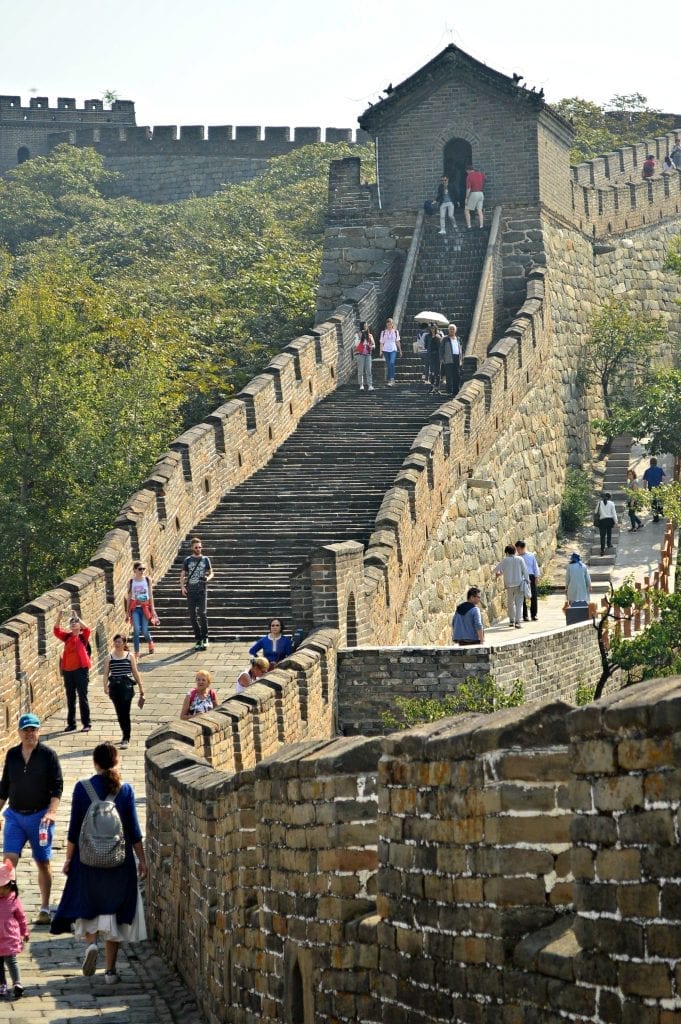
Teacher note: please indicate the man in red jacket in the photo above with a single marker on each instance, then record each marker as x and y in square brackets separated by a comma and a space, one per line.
[75, 665]
[475, 198]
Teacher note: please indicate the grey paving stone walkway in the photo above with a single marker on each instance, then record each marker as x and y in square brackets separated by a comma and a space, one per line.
[150, 991]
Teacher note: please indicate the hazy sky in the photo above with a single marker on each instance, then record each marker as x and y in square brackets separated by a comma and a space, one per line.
[307, 62]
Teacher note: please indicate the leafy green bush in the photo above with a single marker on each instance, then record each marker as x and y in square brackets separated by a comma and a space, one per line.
[544, 586]
[584, 694]
[475, 694]
[576, 502]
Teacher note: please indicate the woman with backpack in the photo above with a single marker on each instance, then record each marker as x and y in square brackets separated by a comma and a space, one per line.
[120, 675]
[103, 901]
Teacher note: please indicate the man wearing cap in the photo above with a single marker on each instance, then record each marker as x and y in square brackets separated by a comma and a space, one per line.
[32, 782]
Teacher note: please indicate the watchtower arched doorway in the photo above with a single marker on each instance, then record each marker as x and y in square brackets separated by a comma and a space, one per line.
[23, 154]
[457, 155]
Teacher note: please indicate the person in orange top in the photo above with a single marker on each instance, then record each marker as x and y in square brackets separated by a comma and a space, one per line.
[75, 665]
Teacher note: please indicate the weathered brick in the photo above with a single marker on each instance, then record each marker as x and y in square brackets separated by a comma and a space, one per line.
[646, 979]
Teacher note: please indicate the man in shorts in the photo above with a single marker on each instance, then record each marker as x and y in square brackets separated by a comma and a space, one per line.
[32, 783]
[475, 197]
[195, 575]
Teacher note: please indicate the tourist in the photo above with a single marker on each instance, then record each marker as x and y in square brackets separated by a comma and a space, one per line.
[632, 484]
[433, 342]
[196, 573]
[532, 565]
[514, 571]
[258, 668]
[32, 785]
[13, 929]
[421, 350]
[139, 607]
[648, 169]
[446, 204]
[668, 166]
[75, 665]
[364, 347]
[273, 645]
[653, 477]
[201, 698]
[475, 196]
[451, 359]
[467, 626]
[577, 582]
[390, 348]
[676, 153]
[100, 902]
[120, 675]
[606, 517]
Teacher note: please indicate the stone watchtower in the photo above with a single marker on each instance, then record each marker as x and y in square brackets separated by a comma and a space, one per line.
[456, 109]
[26, 131]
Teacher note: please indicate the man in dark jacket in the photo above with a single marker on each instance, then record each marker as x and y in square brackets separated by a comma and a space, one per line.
[467, 622]
[32, 783]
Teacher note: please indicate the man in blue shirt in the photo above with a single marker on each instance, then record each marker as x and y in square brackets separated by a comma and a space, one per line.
[653, 477]
[530, 560]
[467, 622]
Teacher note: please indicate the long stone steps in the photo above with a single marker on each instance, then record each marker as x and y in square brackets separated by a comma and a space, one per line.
[325, 484]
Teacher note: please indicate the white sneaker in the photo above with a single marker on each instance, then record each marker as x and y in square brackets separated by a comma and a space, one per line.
[370, 388]
[111, 978]
[90, 959]
[361, 387]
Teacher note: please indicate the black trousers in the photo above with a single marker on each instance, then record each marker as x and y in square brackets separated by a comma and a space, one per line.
[121, 695]
[76, 683]
[533, 599]
[605, 529]
[197, 603]
[452, 375]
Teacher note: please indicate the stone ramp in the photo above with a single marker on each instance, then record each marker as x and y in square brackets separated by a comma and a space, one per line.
[150, 990]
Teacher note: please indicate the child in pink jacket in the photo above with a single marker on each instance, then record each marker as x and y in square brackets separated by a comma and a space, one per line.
[13, 929]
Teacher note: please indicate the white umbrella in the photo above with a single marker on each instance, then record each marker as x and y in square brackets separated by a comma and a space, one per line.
[428, 317]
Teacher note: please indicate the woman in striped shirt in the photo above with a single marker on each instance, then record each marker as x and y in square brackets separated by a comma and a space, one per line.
[120, 675]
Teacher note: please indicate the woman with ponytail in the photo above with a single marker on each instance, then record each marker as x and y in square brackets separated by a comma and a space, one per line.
[104, 902]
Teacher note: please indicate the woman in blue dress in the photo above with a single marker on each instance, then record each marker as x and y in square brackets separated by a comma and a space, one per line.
[273, 645]
[103, 902]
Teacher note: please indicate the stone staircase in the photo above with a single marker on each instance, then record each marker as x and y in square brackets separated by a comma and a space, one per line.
[327, 481]
[446, 280]
[614, 481]
[325, 484]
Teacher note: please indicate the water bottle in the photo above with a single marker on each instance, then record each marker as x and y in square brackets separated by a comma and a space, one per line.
[43, 834]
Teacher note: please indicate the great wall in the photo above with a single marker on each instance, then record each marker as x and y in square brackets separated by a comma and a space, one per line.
[518, 867]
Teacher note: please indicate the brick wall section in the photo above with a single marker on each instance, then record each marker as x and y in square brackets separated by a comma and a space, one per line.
[521, 866]
[550, 665]
[623, 164]
[186, 483]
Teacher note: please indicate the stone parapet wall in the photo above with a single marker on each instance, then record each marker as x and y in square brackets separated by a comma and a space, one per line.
[550, 666]
[624, 164]
[517, 866]
[187, 483]
[612, 209]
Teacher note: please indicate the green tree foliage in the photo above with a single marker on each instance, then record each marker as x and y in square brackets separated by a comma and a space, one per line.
[656, 651]
[655, 417]
[621, 346]
[120, 322]
[601, 129]
[476, 694]
[576, 501]
[86, 401]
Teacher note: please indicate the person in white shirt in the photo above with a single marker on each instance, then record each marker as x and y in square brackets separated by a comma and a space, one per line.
[516, 578]
[530, 560]
[607, 518]
[451, 359]
[390, 348]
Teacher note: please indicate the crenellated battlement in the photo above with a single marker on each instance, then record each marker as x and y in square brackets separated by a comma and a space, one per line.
[67, 109]
[623, 164]
[196, 139]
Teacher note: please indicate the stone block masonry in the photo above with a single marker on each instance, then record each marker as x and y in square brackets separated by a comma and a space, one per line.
[550, 665]
[521, 866]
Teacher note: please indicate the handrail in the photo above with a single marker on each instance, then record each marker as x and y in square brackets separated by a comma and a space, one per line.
[485, 278]
[409, 267]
